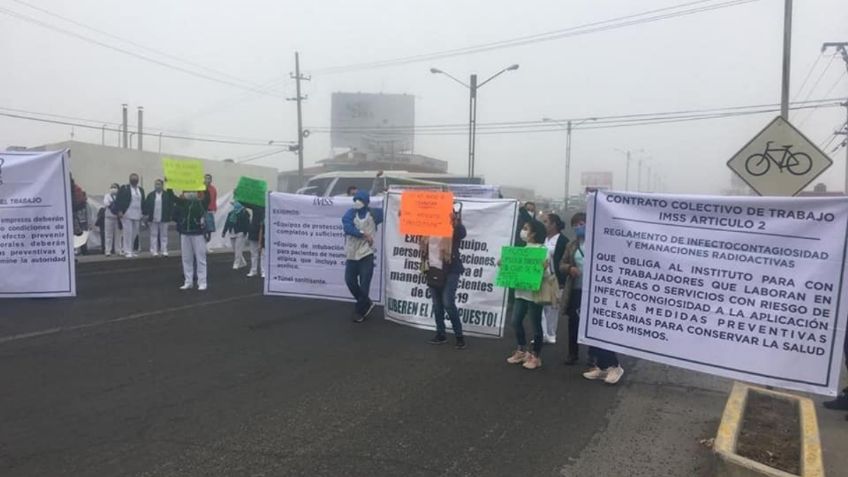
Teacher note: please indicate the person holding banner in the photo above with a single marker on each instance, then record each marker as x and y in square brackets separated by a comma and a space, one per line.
[130, 198]
[190, 215]
[530, 302]
[442, 265]
[360, 226]
[238, 226]
[555, 242]
[158, 209]
[212, 192]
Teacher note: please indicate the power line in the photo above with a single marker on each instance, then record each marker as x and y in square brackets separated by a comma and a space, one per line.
[106, 127]
[807, 77]
[124, 51]
[835, 84]
[594, 27]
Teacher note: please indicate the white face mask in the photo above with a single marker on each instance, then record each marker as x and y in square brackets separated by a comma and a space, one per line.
[524, 235]
[113, 190]
[357, 204]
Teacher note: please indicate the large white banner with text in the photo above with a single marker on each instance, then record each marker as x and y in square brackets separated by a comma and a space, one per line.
[36, 227]
[490, 224]
[750, 288]
[304, 247]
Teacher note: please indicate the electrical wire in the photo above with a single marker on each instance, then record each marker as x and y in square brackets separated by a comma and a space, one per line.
[807, 77]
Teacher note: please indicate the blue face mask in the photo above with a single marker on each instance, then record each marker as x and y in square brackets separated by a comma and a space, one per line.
[580, 231]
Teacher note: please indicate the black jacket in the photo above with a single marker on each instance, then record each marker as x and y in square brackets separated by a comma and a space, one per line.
[257, 220]
[241, 224]
[125, 197]
[190, 214]
[559, 251]
[459, 234]
[523, 218]
[149, 204]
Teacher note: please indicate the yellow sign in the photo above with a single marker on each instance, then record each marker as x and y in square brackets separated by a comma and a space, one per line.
[183, 174]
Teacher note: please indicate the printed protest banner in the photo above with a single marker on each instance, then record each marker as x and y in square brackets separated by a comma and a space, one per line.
[304, 247]
[522, 267]
[183, 174]
[490, 224]
[426, 212]
[748, 288]
[36, 225]
[251, 191]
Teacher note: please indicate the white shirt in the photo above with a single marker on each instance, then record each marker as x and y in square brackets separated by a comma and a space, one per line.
[434, 256]
[107, 201]
[157, 207]
[134, 210]
[550, 244]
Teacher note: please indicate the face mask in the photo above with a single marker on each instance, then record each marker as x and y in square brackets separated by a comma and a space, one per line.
[524, 235]
[580, 231]
[113, 190]
[358, 205]
[159, 187]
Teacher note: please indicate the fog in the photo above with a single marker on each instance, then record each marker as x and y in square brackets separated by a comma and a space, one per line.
[727, 57]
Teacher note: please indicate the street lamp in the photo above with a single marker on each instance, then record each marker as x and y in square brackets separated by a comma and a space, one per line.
[568, 127]
[628, 153]
[473, 86]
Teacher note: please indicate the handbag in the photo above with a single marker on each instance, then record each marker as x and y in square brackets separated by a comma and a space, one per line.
[436, 277]
[549, 291]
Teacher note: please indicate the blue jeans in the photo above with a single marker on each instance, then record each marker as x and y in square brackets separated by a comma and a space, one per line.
[444, 301]
[358, 275]
[603, 358]
[519, 310]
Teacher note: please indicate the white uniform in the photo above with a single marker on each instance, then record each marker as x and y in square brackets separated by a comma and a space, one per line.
[132, 221]
[111, 230]
[550, 313]
[158, 227]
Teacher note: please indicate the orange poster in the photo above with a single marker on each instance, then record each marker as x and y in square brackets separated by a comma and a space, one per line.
[425, 212]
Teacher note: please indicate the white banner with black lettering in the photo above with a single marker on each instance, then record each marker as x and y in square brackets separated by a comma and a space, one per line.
[304, 247]
[490, 224]
[750, 288]
[36, 226]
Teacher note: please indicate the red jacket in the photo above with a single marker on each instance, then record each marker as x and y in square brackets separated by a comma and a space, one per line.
[213, 198]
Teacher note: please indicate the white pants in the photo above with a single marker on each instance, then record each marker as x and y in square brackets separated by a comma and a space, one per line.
[550, 319]
[255, 266]
[112, 235]
[131, 228]
[193, 248]
[158, 237]
[238, 250]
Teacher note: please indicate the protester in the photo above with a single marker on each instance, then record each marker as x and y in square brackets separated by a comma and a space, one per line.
[606, 365]
[190, 215]
[556, 243]
[360, 227]
[212, 194]
[526, 213]
[352, 190]
[79, 207]
[256, 239]
[158, 209]
[442, 265]
[130, 198]
[530, 302]
[111, 223]
[237, 226]
[572, 293]
[841, 401]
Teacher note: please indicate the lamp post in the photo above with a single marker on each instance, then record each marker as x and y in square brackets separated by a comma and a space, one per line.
[628, 154]
[473, 86]
[568, 127]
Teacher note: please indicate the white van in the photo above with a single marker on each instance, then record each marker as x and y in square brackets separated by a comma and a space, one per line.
[333, 184]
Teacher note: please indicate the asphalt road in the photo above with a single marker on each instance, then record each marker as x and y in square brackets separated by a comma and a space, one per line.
[136, 378]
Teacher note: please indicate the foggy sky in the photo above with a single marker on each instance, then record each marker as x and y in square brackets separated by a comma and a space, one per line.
[728, 57]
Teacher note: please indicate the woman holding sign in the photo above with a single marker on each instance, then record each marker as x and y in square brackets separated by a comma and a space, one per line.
[190, 215]
[531, 302]
[442, 266]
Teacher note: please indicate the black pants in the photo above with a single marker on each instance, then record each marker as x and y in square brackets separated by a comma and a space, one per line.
[572, 311]
[603, 358]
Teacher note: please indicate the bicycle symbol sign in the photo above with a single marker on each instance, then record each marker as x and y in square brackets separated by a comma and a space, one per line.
[779, 160]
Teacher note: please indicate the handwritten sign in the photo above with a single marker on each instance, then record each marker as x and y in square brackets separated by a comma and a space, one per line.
[251, 191]
[424, 212]
[522, 268]
[183, 174]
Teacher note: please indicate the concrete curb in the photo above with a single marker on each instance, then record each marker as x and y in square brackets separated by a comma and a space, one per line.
[731, 464]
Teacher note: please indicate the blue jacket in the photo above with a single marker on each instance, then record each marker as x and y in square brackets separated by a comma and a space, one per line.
[347, 219]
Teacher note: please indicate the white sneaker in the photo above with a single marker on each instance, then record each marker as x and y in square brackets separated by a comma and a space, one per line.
[614, 374]
[235, 266]
[164, 254]
[550, 339]
[595, 373]
[155, 254]
[251, 274]
[186, 286]
[201, 287]
[108, 254]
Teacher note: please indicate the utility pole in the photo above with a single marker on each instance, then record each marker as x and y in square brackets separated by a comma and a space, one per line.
[299, 98]
[842, 48]
[627, 174]
[787, 50]
[140, 127]
[567, 165]
[472, 124]
[126, 133]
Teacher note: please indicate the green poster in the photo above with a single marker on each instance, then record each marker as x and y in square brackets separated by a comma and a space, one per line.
[522, 268]
[251, 191]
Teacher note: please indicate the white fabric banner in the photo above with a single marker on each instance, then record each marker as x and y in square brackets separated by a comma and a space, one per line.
[750, 288]
[490, 224]
[304, 247]
[36, 227]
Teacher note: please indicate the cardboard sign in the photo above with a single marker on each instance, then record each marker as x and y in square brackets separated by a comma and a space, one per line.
[522, 267]
[183, 174]
[424, 212]
[251, 191]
